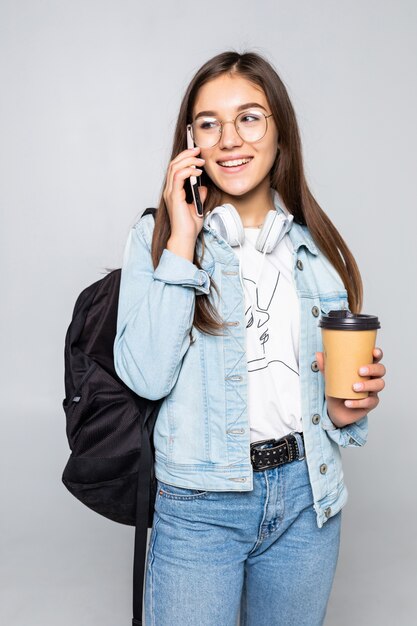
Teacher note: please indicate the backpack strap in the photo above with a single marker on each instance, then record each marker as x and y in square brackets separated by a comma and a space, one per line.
[143, 502]
[149, 210]
[141, 531]
[143, 512]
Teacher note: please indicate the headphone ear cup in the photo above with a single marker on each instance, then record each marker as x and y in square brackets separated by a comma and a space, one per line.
[225, 220]
[275, 226]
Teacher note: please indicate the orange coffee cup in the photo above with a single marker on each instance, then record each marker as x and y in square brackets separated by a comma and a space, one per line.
[348, 342]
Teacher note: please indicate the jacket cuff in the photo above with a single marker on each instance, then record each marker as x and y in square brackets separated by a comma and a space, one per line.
[352, 435]
[174, 269]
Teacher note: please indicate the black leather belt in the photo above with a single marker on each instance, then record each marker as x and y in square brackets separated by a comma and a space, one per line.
[277, 452]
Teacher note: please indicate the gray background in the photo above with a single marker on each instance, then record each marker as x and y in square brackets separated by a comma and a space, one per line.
[89, 96]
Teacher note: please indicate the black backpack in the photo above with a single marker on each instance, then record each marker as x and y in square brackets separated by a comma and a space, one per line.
[109, 428]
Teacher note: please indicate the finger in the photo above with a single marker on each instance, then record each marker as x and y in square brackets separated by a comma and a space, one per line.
[378, 354]
[375, 384]
[179, 167]
[180, 176]
[374, 369]
[185, 154]
[190, 159]
[368, 403]
[185, 161]
[320, 360]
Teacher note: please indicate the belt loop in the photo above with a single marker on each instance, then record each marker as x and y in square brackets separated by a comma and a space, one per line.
[300, 444]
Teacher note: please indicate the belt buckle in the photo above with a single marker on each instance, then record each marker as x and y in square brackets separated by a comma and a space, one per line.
[289, 450]
[257, 443]
[253, 448]
[293, 453]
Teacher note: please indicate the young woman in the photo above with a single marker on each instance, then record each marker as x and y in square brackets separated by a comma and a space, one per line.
[219, 315]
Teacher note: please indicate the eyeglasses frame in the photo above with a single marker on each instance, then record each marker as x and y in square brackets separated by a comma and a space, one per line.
[191, 128]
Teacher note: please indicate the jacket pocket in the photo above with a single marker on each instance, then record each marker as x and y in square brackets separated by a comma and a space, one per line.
[336, 302]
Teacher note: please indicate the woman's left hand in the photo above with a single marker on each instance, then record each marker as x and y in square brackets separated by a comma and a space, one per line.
[344, 412]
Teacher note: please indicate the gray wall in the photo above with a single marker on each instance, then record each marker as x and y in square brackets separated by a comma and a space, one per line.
[89, 96]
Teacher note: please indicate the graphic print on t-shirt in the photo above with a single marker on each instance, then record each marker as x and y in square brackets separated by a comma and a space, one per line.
[259, 323]
[272, 338]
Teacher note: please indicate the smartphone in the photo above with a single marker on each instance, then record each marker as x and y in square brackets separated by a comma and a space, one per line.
[193, 179]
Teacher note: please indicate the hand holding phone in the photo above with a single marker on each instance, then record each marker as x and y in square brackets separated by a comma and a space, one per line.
[193, 179]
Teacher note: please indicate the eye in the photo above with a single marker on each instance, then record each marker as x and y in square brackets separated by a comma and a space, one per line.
[250, 117]
[206, 123]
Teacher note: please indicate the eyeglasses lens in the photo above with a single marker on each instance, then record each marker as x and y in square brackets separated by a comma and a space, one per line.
[251, 126]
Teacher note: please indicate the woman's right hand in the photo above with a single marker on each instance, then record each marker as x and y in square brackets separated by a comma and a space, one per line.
[185, 223]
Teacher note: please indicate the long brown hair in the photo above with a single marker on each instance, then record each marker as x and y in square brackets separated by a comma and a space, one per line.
[286, 176]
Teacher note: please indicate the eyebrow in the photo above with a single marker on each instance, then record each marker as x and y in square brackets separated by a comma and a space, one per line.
[242, 107]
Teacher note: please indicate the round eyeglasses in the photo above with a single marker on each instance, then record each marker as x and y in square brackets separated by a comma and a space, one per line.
[250, 125]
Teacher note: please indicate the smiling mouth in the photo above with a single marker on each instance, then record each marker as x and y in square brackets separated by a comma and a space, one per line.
[234, 162]
[235, 165]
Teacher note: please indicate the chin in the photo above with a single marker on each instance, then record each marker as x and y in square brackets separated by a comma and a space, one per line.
[236, 187]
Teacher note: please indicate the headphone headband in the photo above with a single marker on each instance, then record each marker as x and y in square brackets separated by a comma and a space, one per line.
[225, 220]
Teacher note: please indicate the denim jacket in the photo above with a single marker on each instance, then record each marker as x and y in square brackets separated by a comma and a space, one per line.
[202, 434]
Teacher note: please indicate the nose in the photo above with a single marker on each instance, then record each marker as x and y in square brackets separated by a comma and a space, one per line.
[229, 137]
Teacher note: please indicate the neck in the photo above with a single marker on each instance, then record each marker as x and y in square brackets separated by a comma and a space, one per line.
[252, 206]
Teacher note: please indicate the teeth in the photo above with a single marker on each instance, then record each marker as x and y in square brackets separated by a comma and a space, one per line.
[234, 163]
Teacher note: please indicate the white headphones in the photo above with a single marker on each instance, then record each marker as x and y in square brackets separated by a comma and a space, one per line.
[225, 220]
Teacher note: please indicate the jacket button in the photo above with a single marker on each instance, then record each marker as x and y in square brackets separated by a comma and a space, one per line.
[314, 366]
[328, 511]
[315, 311]
[323, 468]
[316, 418]
[300, 264]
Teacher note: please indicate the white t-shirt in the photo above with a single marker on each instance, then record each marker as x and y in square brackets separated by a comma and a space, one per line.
[272, 339]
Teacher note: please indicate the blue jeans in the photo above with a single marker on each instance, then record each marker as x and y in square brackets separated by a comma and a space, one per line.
[212, 553]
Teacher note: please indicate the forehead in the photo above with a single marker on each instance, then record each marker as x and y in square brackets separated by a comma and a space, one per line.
[224, 94]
